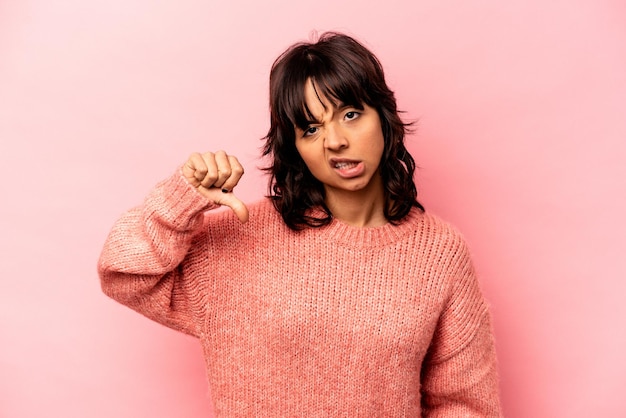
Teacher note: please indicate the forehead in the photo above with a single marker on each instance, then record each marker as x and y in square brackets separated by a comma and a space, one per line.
[316, 101]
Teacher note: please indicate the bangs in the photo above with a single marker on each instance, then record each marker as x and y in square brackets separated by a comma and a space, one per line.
[333, 79]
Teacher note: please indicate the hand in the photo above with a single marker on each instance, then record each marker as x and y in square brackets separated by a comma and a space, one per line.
[215, 175]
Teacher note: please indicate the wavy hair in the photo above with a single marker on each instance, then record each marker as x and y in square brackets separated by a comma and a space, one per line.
[344, 71]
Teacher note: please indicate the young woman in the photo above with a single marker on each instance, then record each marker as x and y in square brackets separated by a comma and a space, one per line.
[335, 296]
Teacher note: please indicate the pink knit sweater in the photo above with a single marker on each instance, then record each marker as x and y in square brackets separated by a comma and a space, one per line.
[337, 321]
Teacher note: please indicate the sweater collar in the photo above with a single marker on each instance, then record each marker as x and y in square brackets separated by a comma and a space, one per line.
[367, 237]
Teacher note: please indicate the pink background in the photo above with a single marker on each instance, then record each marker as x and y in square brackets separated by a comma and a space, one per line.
[521, 143]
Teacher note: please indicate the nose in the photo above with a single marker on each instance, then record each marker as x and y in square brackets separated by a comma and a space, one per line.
[335, 138]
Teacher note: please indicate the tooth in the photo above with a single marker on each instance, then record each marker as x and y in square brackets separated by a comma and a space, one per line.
[343, 165]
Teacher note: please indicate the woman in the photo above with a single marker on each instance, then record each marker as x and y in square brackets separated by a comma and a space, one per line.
[336, 296]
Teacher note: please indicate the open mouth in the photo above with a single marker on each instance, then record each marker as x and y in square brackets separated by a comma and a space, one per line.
[348, 168]
[345, 165]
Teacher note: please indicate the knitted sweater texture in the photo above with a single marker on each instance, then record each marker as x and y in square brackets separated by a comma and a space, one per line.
[337, 321]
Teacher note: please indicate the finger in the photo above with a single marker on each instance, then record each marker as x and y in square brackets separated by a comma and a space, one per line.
[194, 169]
[223, 168]
[236, 172]
[236, 205]
[211, 170]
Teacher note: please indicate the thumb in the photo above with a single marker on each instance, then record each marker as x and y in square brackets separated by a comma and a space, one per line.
[236, 205]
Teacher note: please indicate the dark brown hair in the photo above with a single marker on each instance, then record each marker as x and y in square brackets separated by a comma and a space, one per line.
[344, 71]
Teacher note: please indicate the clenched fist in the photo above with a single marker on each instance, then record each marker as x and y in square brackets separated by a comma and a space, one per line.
[215, 175]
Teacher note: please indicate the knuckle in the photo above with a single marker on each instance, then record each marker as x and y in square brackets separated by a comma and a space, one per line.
[211, 176]
[238, 170]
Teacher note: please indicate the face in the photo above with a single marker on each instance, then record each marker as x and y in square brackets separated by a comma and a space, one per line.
[343, 146]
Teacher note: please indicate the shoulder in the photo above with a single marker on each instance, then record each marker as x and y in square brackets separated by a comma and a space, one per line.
[435, 230]
[438, 243]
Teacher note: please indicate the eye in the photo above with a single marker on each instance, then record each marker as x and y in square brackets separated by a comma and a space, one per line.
[311, 130]
[351, 115]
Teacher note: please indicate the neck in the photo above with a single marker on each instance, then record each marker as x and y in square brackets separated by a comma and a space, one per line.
[364, 208]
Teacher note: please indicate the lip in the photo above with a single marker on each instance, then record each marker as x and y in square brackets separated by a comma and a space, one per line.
[353, 169]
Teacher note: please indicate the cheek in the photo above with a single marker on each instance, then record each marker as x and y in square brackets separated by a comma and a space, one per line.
[377, 138]
[306, 155]
[301, 151]
[378, 145]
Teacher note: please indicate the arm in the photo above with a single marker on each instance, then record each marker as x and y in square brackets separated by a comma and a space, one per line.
[150, 261]
[459, 376]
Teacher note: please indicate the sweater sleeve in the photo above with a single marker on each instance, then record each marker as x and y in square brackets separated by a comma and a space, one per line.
[459, 377]
[142, 264]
